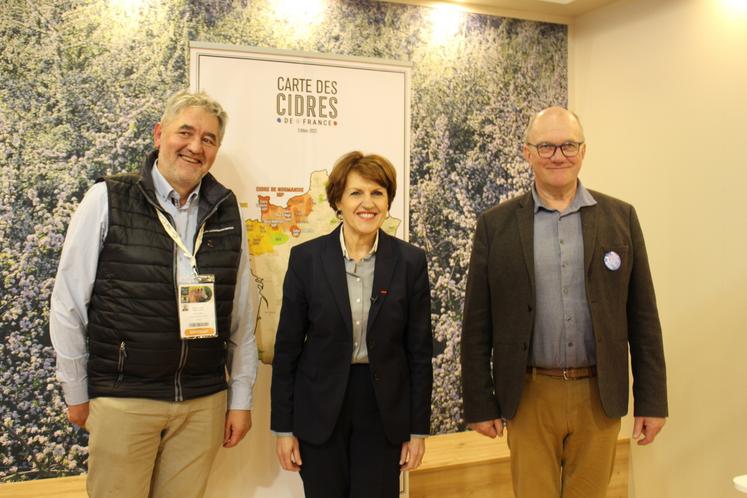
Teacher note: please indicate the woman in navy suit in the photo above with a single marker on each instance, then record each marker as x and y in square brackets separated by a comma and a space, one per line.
[352, 375]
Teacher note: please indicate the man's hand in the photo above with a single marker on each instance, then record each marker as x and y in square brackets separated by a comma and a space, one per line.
[412, 453]
[78, 414]
[238, 423]
[645, 429]
[490, 428]
[289, 454]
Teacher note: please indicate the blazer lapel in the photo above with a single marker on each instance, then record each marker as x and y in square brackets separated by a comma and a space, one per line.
[386, 262]
[525, 220]
[589, 231]
[334, 269]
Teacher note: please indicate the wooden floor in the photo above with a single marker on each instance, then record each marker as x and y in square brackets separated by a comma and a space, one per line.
[461, 465]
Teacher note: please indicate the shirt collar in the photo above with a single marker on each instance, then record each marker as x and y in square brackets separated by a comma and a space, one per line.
[345, 250]
[166, 192]
[583, 198]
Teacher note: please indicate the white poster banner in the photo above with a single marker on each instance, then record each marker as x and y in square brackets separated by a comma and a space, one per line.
[291, 115]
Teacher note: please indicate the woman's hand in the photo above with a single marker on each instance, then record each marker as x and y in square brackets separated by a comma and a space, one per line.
[412, 453]
[289, 454]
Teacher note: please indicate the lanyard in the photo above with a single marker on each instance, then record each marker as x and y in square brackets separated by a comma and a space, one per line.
[179, 242]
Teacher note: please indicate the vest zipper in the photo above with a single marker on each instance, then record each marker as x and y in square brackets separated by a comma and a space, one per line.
[178, 390]
[120, 363]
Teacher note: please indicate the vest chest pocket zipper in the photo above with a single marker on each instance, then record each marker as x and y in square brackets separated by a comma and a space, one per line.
[120, 363]
[218, 230]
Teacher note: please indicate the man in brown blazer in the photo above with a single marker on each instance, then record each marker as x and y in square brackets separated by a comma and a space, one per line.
[559, 291]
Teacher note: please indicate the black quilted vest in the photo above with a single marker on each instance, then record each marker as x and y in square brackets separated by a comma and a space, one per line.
[133, 327]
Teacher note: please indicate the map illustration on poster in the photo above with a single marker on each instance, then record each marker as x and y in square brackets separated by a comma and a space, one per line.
[291, 115]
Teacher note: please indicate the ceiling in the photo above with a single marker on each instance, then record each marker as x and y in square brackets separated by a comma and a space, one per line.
[566, 8]
[552, 10]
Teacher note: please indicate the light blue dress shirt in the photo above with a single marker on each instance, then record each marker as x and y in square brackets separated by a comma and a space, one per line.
[68, 317]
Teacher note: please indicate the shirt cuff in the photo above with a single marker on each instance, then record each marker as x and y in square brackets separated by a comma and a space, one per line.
[282, 434]
[239, 396]
[76, 393]
[419, 436]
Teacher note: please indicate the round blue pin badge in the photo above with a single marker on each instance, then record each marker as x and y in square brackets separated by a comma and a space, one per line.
[612, 261]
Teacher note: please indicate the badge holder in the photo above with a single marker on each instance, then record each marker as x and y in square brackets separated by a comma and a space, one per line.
[197, 308]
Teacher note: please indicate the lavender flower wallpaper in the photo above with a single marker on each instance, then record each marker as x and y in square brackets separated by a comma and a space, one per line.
[83, 81]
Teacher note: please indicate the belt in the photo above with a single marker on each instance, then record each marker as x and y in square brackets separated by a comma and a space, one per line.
[565, 373]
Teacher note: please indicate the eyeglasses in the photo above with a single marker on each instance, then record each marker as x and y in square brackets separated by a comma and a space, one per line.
[547, 150]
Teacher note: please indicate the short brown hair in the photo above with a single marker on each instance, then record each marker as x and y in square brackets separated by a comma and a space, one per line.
[372, 167]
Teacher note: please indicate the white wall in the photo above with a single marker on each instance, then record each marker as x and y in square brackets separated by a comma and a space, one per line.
[661, 86]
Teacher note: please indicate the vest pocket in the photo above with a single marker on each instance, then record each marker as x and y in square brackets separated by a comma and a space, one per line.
[217, 230]
[120, 363]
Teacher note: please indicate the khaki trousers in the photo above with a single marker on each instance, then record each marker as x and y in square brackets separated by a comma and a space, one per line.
[140, 448]
[562, 444]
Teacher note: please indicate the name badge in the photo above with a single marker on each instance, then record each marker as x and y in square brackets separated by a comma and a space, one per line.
[197, 308]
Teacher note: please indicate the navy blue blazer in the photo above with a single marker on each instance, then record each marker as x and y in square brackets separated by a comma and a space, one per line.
[314, 342]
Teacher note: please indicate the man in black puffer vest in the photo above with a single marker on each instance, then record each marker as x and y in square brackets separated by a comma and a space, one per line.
[150, 312]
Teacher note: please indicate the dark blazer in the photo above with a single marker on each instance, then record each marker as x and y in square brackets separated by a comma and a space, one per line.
[314, 342]
[499, 310]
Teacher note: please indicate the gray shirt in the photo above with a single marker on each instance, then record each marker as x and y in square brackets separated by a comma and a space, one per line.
[563, 336]
[360, 276]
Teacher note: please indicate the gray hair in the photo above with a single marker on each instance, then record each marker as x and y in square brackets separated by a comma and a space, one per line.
[528, 129]
[184, 98]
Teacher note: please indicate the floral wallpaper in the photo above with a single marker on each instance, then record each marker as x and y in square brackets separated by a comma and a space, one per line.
[83, 81]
